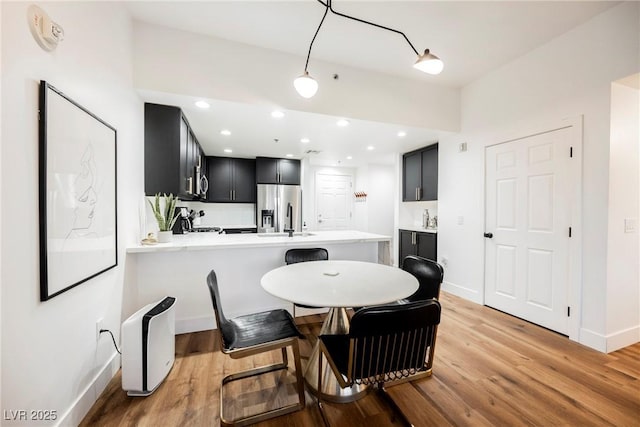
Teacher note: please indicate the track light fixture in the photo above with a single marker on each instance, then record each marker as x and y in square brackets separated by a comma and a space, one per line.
[307, 86]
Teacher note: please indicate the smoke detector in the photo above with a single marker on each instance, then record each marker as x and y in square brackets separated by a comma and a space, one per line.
[46, 32]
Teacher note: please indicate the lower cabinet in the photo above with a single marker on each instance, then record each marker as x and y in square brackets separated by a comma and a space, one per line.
[416, 243]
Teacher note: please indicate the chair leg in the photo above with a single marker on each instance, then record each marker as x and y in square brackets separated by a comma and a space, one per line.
[252, 419]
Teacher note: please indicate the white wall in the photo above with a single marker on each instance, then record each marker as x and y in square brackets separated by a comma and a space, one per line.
[623, 286]
[557, 80]
[220, 69]
[50, 359]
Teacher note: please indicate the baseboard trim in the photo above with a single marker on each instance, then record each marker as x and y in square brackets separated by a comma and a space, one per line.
[81, 406]
[593, 339]
[463, 292]
[623, 338]
[195, 324]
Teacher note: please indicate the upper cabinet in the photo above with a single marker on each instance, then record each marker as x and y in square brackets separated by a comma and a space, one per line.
[277, 171]
[420, 174]
[172, 154]
[231, 180]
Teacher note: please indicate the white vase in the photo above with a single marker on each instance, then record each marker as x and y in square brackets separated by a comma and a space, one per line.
[165, 236]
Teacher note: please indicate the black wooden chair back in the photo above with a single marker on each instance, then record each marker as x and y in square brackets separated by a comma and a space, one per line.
[429, 274]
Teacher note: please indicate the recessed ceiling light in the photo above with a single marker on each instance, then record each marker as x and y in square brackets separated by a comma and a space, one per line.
[225, 132]
[228, 150]
[342, 122]
[202, 104]
[402, 134]
[305, 140]
[371, 147]
[289, 155]
[277, 114]
[349, 157]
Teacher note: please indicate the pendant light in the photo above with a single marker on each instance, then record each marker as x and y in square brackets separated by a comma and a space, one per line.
[429, 63]
[307, 86]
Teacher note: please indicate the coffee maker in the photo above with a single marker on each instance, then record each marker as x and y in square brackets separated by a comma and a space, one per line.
[183, 223]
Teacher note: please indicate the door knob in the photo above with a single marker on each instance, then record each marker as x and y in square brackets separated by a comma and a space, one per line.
[488, 235]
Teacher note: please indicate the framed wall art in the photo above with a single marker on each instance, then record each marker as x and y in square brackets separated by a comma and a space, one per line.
[77, 164]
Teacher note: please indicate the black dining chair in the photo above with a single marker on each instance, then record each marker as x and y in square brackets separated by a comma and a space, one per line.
[429, 274]
[385, 345]
[294, 256]
[252, 334]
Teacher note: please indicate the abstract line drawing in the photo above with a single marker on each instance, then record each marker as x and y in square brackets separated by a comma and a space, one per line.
[78, 194]
[84, 195]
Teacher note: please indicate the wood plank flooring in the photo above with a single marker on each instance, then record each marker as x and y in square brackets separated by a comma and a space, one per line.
[490, 369]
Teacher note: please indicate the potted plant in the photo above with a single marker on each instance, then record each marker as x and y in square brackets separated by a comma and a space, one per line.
[165, 216]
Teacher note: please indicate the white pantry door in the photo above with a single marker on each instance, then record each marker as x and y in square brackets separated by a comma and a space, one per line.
[333, 202]
[528, 202]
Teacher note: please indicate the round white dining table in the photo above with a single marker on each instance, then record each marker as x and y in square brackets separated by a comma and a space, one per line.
[337, 285]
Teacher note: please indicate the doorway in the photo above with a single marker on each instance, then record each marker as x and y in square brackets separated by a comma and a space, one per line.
[333, 201]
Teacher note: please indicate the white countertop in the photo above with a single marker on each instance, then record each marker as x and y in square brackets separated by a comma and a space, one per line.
[418, 228]
[204, 241]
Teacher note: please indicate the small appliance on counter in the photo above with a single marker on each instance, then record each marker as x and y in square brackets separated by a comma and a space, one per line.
[187, 218]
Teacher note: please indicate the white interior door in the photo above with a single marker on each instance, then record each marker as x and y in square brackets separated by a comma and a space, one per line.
[333, 202]
[528, 203]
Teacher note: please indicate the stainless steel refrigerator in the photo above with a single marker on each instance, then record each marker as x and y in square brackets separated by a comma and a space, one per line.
[279, 208]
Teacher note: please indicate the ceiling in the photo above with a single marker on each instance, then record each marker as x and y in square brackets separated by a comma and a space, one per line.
[472, 38]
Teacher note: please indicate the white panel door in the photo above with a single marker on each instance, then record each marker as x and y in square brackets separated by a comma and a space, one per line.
[333, 202]
[528, 194]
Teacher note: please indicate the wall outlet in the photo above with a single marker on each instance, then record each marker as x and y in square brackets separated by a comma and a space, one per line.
[99, 326]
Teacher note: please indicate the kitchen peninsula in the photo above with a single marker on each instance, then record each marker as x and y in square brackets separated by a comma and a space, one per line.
[179, 269]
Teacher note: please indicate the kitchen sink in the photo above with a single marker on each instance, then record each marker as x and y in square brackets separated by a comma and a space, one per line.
[297, 234]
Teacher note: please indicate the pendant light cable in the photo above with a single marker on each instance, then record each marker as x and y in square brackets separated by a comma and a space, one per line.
[327, 6]
[330, 7]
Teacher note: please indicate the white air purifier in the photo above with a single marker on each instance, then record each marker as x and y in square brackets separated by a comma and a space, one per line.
[148, 347]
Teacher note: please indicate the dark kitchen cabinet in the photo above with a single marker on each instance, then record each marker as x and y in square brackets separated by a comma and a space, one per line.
[416, 243]
[170, 152]
[277, 171]
[231, 180]
[420, 174]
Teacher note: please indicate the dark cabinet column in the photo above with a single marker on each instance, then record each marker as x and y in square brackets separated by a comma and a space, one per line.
[420, 174]
[220, 178]
[412, 176]
[170, 149]
[429, 182]
[244, 180]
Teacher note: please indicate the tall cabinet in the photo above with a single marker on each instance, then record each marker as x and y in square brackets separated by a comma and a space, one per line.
[171, 153]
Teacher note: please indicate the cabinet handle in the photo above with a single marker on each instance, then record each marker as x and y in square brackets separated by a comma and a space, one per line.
[190, 185]
[230, 194]
[419, 193]
[413, 237]
[234, 194]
